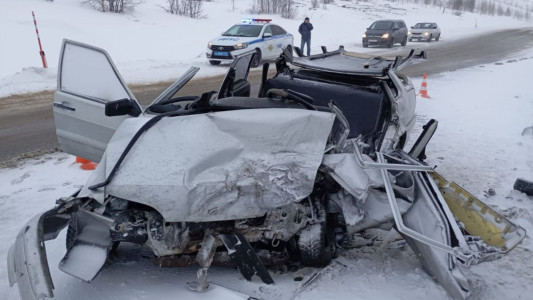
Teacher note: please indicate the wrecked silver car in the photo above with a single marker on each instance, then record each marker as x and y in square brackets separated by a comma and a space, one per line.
[252, 181]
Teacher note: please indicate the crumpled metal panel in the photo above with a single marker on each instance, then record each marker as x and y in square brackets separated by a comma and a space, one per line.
[355, 181]
[218, 166]
[27, 263]
[350, 175]
[427, 217]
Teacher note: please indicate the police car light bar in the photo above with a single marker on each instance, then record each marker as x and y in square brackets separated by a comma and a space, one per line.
[250, 20]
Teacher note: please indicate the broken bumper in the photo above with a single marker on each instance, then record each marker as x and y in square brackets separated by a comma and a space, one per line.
[27, 262]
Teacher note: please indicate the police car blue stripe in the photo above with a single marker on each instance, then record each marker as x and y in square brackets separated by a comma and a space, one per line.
[273, 38]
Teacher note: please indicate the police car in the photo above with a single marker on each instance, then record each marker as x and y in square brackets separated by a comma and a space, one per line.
[258, 35]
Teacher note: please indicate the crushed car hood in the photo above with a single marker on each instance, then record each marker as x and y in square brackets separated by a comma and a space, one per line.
[216, 166]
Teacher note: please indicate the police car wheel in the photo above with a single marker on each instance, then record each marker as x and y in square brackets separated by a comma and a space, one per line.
[214, 62]
[257, 59]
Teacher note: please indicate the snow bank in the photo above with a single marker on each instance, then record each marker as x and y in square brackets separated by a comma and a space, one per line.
[150, 45]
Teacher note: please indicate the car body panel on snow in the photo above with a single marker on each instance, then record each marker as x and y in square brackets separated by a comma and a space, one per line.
[255, 181]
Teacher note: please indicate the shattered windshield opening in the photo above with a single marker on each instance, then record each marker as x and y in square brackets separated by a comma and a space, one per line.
[244, 30]
[380, 25]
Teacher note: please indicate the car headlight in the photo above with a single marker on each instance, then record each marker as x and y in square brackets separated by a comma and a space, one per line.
[241, 46]
[409, 32]
[426, 33]
[364, 35]
[385, 36]
[209, 45]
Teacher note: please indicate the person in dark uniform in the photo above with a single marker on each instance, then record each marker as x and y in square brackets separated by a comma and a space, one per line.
[305, 30]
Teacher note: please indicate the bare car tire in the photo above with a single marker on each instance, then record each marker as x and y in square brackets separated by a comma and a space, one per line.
[391, 43]
[316, 244]
[429, 38]
[257, 59]
[404, 41]
[289, 48]
[437, 38]
[214, 62]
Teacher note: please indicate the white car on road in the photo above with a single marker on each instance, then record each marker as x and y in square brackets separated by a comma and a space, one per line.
[424, 31]
[258, 35]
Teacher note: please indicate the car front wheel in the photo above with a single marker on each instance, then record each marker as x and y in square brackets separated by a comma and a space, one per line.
[437, 38]
[391, 43]
[430, 37]
[404, 41]
[257, 59]
[316, 244]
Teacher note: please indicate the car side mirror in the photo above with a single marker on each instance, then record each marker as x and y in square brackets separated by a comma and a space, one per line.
[267, 35]
[122, 107]
[412, 27]
[434, 27]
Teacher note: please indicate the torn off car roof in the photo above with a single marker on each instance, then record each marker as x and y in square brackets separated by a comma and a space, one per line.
[353, 63]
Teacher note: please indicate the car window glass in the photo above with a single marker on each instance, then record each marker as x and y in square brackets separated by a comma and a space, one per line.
[89, 73]
[244, 30]
[276, 30]
[380, 25]
[268, 29]
[395, 26]
[424, 25]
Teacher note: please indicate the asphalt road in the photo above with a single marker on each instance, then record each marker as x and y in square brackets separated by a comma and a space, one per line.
[27, 124]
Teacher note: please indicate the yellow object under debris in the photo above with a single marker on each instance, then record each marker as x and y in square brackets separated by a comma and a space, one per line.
[478, 218]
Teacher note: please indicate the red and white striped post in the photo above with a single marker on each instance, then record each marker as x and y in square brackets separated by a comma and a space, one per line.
[41, 52]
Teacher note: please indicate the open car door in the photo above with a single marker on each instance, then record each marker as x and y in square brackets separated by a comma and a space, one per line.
[87, 80]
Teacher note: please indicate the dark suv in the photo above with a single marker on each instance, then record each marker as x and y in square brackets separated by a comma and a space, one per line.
[385, 33]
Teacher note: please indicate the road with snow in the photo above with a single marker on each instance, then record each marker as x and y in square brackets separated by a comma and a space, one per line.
[27, 123]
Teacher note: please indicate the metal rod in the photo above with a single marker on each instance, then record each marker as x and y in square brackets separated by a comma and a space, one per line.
[386, 166]
[398, 216]
[41, 52]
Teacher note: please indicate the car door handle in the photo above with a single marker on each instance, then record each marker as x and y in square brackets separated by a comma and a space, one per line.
[63, 106]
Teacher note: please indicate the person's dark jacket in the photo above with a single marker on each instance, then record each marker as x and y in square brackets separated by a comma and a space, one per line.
[305, 30]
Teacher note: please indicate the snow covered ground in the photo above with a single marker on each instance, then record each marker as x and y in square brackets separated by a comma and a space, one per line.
[481, 111]
[151, 45]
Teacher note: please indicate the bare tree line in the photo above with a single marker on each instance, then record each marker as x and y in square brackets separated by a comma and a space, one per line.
[114, 6]
[483, 7]
[286, 8]
[189, 8]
